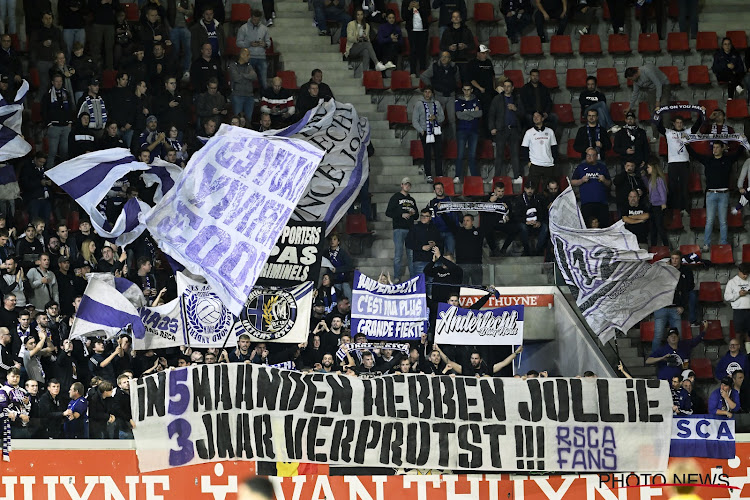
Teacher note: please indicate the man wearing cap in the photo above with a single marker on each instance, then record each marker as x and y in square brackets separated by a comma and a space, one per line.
[504, 122]
[673, 356]
[529, 214]
[724, 401]
[737, 293]
[631, 142]
[717, 169]
[402, 209]
[482, 77]
[153, 140]
[93, 105]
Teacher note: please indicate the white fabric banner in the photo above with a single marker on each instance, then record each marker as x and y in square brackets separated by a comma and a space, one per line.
[459, 326]
[240, 411]
[207, 322]
[344, 135]
[617, 286]
[227, 210]
[163, 326]
[278, 314]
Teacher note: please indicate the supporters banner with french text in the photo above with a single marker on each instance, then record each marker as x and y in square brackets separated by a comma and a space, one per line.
[229, 207]
[389, 312]
[238, 411]
[296, 256]
[615, 283]
[459, 326]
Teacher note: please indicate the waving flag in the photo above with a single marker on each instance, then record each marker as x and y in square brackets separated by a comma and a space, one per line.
[89, 177]
[104, 311]
[12, 144]
[163, 174]
[617, 286]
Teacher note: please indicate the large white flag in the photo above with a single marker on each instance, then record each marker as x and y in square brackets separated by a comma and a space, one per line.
[617, 287]
[12, 143]
[232, 202]
[105, 311]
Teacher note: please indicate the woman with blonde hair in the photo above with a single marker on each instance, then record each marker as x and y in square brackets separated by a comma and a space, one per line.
[358, 43]
[88, 248]
[657, 194]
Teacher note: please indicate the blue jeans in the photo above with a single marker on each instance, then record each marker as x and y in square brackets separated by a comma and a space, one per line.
[716, 203]
[243, 104]
[72, 36]
[399, 240]
[181, 41]
[324, 14]
[127, 136]
[40, 208]
[541, 240]
[8, 13]
[261, 68]
[663, 317]
[58, 144]
[449, 243]
[416, 268]
[605, 120]
[466, 138]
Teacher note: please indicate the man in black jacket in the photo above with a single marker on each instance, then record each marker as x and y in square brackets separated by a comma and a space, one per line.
[631, 142]
[592, 135]
[171, 107]
[505, 123]
[57, 112]
[537, 99]
[498, 220]
[422, 239]
[458, 40]
[52, 404]
[121, 105]
[402, 210]
[469, 249]
[120, 408]
[444, 76]
[35, 187]
[99, 410]
[529, 213]
[626, 181]
[445, 274]
[102, 34]
[447, 8]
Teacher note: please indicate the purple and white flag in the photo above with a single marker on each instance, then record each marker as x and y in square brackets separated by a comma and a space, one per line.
[162, 173]
[225, 214]
[617, 286]
[337, 128]
[498, 326]
[89, 177]
[105, 311]
[389, 312]
[12, 144]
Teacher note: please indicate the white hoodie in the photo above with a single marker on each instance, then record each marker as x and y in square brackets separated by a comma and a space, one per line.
[732, 293]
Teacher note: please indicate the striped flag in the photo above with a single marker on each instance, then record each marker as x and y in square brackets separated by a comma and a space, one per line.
[104, 311]
[163, 174]
[12, 143]
[89, 177]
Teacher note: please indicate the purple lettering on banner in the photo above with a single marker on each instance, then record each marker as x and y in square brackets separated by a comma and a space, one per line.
[234, 194]
[228, 161]
[175, 224]
[248, 206]
[178, 388]
[210, 185]
[242, 251]
[284, 161]
[201, 243]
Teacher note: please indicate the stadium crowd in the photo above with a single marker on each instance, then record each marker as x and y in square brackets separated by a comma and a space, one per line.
[176, 80]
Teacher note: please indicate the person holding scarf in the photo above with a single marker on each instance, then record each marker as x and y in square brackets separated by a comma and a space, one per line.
[57, 111]
[631, 142]
[592, 135]
[426, 118]
[678, 158]
[93, 105]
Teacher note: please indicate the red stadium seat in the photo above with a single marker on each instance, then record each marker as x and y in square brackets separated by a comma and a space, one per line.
[356, 224]
[722, 255]
[678, 42]
[618, 44]
[710, 104]
[415, 150]
[672, 72]
[565, 113]
[746, 253]
[710, 292]
[485, 151]
[737, 109]
[240, 12]
[507, 182]
[531, 46]
[698, 75]
[690, 249]
[373, 81]
[560, 45]
[660, 252]
[617, 111]
[647, 331]
[109, 78]
[288, 79]
[575, 79]
[131, 11]
[694, 184]
[697, 219]
[607, 78]
[713, 331]
[447, 183]
[230, 47]
[500, 46]
[396, 115]
[644, 114]
[548, 78]
[673, 220]
[473, 185]
[648, 43]
[735, 222]
[450, 150]
[590, 45]
[401, 81]
[484, 13]
[739, 39]
[663, 149]
[434, 46]
[706, 41]
[515, 76]
[702, 368]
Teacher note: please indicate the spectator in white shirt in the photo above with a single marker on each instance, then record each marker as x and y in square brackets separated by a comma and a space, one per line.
[737, 293]
[540, 145]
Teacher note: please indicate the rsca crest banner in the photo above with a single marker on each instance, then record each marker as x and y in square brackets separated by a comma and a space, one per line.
[459, 326]
[277, 315]
[617, 286]
[337, 128]
[207, 321]
[237, 411]
[296, 256]
[228, 209]
[389, 312]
